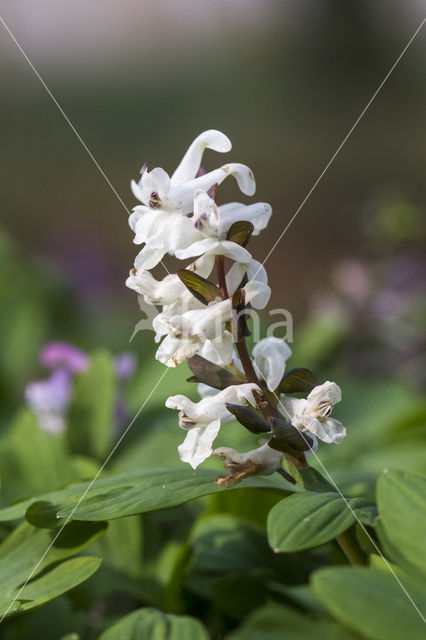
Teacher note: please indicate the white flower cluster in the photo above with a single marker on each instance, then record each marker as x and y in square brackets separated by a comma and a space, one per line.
[179, 216]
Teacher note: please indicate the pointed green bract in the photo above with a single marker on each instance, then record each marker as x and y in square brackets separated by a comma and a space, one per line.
[240, 232]
[202, 289]
[212, 374]
[298, 381]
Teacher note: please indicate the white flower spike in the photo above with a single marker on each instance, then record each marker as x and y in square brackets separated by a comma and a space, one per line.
[199, 315]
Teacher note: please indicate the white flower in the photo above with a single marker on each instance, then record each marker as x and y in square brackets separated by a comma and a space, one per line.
[270, 356]
[188, 332]
[213, 229]
[312, 414]
[264, 460]
[161, 222]
[170, 289]
[203, 419]
[203, 330]
[253, 269]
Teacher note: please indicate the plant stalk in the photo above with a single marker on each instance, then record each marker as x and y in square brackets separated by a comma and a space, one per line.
[351, 549]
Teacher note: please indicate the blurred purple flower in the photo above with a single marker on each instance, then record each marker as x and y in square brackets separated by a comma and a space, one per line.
[64, 355]
[49, 400]
[125, 365]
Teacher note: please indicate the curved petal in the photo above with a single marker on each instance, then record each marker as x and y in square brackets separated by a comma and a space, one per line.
[258, 214]
[196, 248]
[148, 258]
[330, 430]
[162, 292]
[270, 356]
[328, 391]
[184, 194]
[190, 163]
[231, 250]
[197, 445]
[257, 294]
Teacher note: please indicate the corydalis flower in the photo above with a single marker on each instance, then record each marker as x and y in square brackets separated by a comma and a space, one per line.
[203, 419]
[157, 190]
[188, 333]
[214, 222]
[260, 461]
[161, 222]
[313, 413]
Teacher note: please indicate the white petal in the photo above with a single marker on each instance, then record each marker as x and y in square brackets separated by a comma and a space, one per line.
[190, 163]
[197, 445]
[270, 356]
[148, 258]
[184, 193]
[328, 391]
[258, 214]
[156, 181]
[257, 294]
[173, 351]
[220, 350]
[196, 249]
[205, 391]
[155, 291]
[231, 250]
[328, 430]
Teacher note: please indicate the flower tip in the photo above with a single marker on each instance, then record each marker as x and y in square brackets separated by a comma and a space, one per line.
[217, 141]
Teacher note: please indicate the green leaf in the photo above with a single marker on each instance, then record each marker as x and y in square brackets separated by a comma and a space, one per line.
[306, 520]
[212, 374]
[240, 232]
[226, 546]
[151, 624]
[42, 514]
[373, 603]
[276, 622]
[308, 477]
[133, 492]
[202, 289]
[54, 583]
[27, 552]
[91, 414]
[402, 522]
[298, 381]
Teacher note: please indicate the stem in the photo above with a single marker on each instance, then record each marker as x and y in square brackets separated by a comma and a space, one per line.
[220, 266]
[351, 549]
[269, 410]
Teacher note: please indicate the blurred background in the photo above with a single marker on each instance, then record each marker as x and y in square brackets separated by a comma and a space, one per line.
[285, 81]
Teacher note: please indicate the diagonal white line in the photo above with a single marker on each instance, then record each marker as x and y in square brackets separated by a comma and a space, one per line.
[90, 485]
[70, 124]
[285, 412]
[341, 145]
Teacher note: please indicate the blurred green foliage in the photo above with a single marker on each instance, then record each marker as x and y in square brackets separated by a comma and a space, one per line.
[170, 552]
